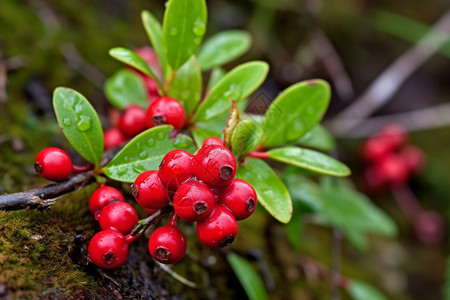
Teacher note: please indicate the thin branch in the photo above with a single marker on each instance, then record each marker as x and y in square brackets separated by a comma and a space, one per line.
[390, 80]
[177, 276]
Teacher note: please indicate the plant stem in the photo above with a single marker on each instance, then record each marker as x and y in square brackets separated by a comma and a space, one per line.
[256, 154]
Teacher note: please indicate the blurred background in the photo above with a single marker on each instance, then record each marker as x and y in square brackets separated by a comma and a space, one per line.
[387, 62]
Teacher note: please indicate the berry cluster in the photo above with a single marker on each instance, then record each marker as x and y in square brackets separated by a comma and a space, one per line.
[202, 189]
[108, 248]
[392, 161]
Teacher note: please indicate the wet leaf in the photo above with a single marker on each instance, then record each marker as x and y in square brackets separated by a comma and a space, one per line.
[125, 88]
[132, 59]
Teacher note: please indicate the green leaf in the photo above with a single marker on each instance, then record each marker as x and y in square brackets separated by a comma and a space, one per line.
[131, 58]
[303, 191]
[125, 88]
[271, 191]
[310, 160]
[216, 75]
[357, 238]
[200, 135]
[154, 32]
[318, 138]
[238, 84]
[222, 48]
[186, 87]
[360, 290]
[79, 123]
[145, 152]
[294, 227]
[247, 136]
[295, 111]
[248, 277]
[183, 28]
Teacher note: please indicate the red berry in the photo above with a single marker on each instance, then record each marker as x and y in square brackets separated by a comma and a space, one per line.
[240, 198]
[166, 110]
[53, 164]
[376, 148]
[175, 168]
[132, 121]
[148, 55]
[101, 197]
[151, 211]
[108, 249]
[393, 169]
[193, 201]
[219, 229]
[152, 88]
[118, 215]
[113, 137]
[374, 182]
[149, 191]
[212, 141]
[215, 165]
[167, 244]
[395, 134]
[414, 157]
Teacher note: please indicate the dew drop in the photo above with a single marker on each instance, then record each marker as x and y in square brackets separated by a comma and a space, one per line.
[78, 108]
[143, 155]
[121, 170]
[84, 123]
[138, 168]
[151, 142]
[138, 145]
[180, 143]
[199, 27]
[293, 132]
[161, 136]
[197, 40]
[173, 31]
[126, 159]
[67, 122]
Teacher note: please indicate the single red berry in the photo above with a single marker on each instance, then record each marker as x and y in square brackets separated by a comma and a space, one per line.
[215, 165]
[175, 168]
[395, 134]
[101, 197]
[108, 249]
[193, 201]
[148, 55]
[166, 110]
[167, 244]
[152, 88]
[393, 169]
[376, 148]
[219, 229]
[150, 211]
[212, 141]
[240, 198]
[113, 137]
[118, 215]
[132, 121]
[414, 157]
[53, 164]
[149, 191]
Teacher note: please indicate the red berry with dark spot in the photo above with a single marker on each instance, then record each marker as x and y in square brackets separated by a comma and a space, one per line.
[108, 249]
[175, 168]
[166, 110]
[101, 197]
[212, 141]
[393, 169]
[167, 244]
[119, 215]
[219, 229]
[240, 198]
[113, 137]
[132, 121]
[53, 164]
[215, 165]
[193, 201]
[149, 191]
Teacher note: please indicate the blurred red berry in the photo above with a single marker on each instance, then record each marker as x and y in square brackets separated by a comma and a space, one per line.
[132, 121]
[113, 137]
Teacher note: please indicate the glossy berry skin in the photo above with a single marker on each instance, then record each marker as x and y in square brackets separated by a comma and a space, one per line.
[132, 121]
[215, 165]
[101, 197]
[150, 211]
[118, 215]
[166, 110]
[113, 137]
[393, 170]
[193, 201]
[212, 141]
[219, 229]
[167, 244]
[175, 168]
[149, 191]
[53, 164]
[108, 249]
[240, 198]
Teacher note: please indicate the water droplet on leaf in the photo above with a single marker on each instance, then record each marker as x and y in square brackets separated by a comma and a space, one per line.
[67, 122]
[199, 27]
[173, 31]
[151, 142]
[84, 123]
[161, 136]
[143, 155]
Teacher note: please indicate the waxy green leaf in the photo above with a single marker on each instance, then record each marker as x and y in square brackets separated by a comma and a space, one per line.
[145, 152]
[125, 88]
[222, 48]
[246, 137]
[238, 84]
[310, 160]
[200, 135]
[271, 191]
[318, 138]
[216, 75]
[154, 32]
[80, 123]
[248, 277]
[183, 28]
[186, 87]
[295, 112]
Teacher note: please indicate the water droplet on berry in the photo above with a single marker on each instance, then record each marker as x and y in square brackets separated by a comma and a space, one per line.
[84, 123]
[173, 31]
[161, 136]
[67, 122]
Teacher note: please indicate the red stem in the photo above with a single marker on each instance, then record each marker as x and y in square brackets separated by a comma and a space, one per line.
[407, 201]
[83, 168]
[173, 219]
[131, 238]
[257, 154]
